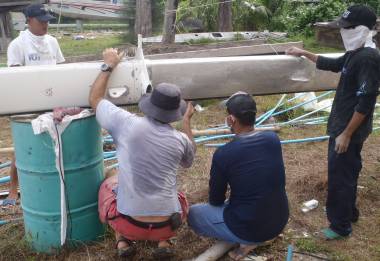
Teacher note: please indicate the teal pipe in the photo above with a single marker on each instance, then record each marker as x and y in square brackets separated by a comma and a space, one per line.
[3, 222]
[6, 164]
[109, 159]
[215, 137]
[5, 179]
[289, 256]
[322, 138]
[279, 103]
[303, 103]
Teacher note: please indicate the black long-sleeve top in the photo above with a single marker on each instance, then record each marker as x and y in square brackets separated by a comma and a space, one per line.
[252, 165]
[357, 90]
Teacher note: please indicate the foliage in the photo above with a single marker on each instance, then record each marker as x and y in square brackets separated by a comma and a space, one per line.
[300, 18]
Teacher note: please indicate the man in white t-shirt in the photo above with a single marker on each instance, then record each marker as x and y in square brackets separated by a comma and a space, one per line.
[32, 47]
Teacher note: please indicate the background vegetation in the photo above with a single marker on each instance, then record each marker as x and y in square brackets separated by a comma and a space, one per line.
[295, 17]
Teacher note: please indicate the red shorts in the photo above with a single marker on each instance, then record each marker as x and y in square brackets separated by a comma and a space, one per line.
[108, 214]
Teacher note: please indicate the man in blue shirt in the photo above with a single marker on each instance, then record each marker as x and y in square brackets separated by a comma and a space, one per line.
[252, 166]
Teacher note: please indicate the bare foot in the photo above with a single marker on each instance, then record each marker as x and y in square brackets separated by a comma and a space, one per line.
[241, 252]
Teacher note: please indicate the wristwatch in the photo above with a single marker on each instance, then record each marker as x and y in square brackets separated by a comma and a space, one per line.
[106, 68]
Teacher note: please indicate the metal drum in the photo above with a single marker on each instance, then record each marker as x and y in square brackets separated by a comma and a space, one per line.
[40, 183]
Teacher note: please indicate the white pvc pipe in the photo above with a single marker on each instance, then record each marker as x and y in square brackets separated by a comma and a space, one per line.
[215, 252]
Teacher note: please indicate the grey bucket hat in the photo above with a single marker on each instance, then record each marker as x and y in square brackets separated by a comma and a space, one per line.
[164, 103]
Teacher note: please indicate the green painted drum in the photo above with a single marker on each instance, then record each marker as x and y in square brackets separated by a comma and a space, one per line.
[40, 183]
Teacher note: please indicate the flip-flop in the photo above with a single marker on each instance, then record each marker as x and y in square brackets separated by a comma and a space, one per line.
[125, 252]
[330, 234]
[8, 202]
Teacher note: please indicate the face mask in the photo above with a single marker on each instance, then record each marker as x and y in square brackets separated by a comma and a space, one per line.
[369, 42]
[39, 42]
[354, 38]
[231, 120]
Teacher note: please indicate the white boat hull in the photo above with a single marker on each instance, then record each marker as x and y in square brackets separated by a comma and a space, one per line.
[41, 88]
[218, 36]
[88, 10]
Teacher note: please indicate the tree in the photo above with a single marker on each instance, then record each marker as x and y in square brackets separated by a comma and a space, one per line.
[143, 22]
[225, 16]
[169, 21]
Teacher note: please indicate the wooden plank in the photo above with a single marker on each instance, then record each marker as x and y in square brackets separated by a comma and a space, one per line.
[231, 51]
[327, 36]
[7, 151]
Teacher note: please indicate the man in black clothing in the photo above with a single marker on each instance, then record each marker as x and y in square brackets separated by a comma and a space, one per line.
[253, 167]
[351, 117]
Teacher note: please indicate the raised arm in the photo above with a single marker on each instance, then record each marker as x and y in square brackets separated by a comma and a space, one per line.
[186, 124]
[300, 52]
[111, 58]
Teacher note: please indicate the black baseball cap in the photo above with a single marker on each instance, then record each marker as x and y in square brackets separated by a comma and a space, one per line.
[356, 15]
[241, 104]
[38, 11]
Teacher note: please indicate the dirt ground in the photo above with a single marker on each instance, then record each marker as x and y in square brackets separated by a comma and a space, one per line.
[306, 179]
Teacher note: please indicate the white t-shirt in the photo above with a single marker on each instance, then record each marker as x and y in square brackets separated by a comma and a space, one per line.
[29, 49]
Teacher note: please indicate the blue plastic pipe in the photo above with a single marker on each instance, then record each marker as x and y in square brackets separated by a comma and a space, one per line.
[215, 137]
[4, 165]
[305, 115]
[3, 222]
[109, 159]
[322, 138]
[5, 179]
[279, 103]
[289, 256]
[302, 104]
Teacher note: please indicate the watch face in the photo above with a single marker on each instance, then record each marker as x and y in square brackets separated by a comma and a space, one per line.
[105, 67]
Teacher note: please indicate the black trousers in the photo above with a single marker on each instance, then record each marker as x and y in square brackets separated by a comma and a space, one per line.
[343, 174]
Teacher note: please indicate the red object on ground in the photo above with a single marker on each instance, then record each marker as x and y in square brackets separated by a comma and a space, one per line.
[108, 214]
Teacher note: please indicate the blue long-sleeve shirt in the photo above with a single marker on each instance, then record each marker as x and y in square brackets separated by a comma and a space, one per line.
[252, 165]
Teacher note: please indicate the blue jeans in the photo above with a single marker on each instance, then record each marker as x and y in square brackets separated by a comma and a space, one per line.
[207, 220]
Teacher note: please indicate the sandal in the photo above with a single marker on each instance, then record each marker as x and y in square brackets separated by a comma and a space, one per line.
[125, 252]
[241, 252]
[163, 253]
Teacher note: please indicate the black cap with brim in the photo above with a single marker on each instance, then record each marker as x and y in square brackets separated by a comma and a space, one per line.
[340, 23]
[45, 18]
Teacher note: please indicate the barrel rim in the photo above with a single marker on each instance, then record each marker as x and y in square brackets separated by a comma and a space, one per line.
[28, 118]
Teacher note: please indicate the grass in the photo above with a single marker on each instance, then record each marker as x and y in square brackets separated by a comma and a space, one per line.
[310, 44]
[72, 47]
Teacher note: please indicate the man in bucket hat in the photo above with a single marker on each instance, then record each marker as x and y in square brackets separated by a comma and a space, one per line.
[142, 202]
[351, 117]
